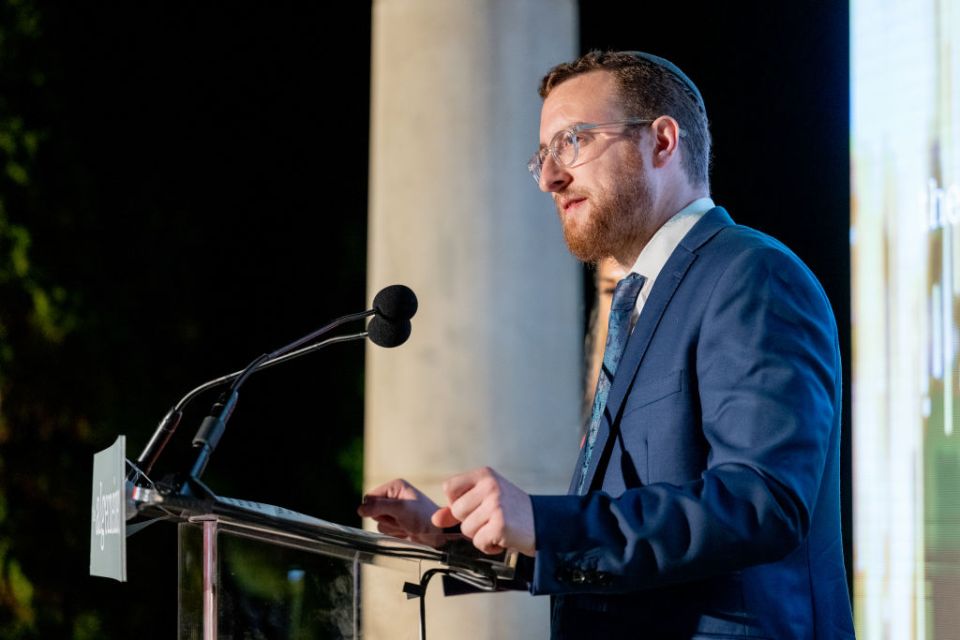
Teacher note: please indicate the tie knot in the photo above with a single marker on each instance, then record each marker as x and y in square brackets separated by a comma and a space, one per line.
[627, 291]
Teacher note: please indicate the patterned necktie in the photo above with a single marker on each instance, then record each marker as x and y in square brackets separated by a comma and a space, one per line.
[618, 330]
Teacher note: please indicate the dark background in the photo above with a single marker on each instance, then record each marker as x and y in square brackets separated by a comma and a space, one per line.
[185, 187]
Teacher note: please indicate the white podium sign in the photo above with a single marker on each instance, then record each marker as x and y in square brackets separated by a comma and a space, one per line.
[108, 536]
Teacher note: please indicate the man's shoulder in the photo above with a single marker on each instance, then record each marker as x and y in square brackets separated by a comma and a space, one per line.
[717, 235]
[733, 255]
[716, 229]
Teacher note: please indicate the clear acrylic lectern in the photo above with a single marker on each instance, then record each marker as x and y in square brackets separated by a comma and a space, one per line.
[249, 570]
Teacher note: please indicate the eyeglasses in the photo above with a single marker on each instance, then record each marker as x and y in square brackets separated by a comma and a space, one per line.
[565, 145]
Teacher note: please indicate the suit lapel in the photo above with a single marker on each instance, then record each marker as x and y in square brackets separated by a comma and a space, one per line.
[663, 290]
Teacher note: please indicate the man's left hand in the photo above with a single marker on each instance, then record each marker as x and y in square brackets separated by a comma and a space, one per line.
[493, 512]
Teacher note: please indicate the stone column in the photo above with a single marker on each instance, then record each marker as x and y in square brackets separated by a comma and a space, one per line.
[491, 374]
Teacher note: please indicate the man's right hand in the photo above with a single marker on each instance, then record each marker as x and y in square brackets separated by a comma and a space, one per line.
[402, 511]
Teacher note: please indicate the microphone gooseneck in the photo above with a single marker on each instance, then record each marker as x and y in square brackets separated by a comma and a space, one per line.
[393, 306]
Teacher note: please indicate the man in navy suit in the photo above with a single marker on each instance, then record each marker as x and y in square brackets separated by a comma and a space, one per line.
[706, 502]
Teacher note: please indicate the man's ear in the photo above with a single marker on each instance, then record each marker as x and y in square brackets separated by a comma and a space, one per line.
[666, 140]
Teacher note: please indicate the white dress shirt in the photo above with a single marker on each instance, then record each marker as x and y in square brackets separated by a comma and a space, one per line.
[651, 260]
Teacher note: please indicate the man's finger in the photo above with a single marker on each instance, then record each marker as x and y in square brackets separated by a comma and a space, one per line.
[472, 522]
[469, 502]
[391, 529]
[443, 518]
[488, 533]
[377, 507]
[485, 540]
[456, 486]
[397, 488]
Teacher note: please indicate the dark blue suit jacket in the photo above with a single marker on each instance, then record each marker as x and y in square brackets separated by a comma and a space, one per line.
[715, 501]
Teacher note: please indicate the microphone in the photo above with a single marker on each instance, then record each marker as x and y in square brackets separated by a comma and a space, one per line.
[388, 333]
[395, 302]
[393, 306]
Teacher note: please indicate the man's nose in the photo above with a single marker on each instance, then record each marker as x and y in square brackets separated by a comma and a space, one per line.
[553, 177]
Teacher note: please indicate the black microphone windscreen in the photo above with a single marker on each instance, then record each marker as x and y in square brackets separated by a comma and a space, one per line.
[396, 302]
[388, 333]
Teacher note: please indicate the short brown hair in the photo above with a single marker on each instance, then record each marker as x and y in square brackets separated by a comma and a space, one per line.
[650, 87]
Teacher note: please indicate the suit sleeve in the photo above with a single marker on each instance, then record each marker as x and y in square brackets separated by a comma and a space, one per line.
[767, 378]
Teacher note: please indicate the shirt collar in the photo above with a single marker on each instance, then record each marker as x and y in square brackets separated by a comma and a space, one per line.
[651, 260]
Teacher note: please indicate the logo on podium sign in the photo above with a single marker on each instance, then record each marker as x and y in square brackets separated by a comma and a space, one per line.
[108, 536]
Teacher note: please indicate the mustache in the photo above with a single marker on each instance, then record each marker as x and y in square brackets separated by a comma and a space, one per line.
[568, 194]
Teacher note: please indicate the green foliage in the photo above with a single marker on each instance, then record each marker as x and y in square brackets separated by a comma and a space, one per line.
[16, 593]
[119, 194]
[34, 322]
[16, 589]
[45, 305]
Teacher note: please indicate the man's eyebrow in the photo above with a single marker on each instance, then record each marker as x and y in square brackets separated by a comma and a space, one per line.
[557, 132]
